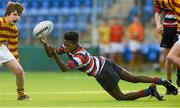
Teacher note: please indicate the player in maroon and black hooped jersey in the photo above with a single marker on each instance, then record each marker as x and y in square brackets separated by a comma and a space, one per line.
[168, 29]
[173, 55]
[106, 72]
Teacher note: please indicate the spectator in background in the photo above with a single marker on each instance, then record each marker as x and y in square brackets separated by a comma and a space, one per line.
[116, 41]
[136, 33]
[104, 37]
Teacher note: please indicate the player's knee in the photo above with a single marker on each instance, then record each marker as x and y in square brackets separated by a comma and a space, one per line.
[19, 72]
[170, 58]
[134, 79]
[120, 97]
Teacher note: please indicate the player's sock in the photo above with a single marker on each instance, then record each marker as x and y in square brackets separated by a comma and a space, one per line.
[20, 92]
[170, 81]
[178, 76]
[178, 71]
[145, 92]
[158, 81]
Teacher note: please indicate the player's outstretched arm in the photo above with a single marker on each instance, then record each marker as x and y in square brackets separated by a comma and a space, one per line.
[48, 48]
[60, 63]
[159, 27]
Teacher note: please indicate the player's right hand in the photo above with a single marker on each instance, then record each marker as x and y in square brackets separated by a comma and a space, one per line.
[159, 29]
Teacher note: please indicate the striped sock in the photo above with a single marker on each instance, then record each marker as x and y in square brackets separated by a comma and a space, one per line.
[158, 81]
[145, 92]
[178, 71]
[20, 92]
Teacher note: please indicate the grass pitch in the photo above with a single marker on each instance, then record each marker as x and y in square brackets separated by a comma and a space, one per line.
[74, 90]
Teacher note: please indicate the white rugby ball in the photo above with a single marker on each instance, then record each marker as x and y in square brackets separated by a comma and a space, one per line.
[43, 29]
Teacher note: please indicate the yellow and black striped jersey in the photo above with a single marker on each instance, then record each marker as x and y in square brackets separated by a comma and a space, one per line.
[9, 34]
[173, 5]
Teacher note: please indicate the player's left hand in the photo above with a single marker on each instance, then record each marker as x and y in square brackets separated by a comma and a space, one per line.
[43, 40]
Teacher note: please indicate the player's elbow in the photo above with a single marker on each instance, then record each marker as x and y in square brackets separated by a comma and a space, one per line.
[170, 58]
[64, 70]
[49, 55]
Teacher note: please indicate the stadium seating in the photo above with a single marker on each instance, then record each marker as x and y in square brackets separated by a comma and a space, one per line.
[66, 14]
[71, 15]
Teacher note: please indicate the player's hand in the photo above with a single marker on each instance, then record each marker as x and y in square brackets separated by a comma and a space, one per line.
[159, 29]
[54, 52]
[43, 40]
[51, 50]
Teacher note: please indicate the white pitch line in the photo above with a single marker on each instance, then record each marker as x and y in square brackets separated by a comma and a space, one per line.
[62, 92]
[59, 92]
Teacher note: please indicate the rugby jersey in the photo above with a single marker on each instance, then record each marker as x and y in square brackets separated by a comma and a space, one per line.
[173, 5]
[80, 59]
[169, 15]
[9, 34]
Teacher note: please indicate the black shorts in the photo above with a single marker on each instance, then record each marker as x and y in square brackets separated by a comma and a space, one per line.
[109, 76]
[169, 37]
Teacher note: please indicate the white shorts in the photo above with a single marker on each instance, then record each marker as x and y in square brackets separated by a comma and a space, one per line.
[104, 49]
[178, 42]
[135, 46]
[116, 47]
[5, 54]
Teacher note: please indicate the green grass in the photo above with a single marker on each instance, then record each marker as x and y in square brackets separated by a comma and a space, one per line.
[74, 89]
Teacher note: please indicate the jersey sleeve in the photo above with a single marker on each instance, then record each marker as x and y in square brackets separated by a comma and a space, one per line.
[77, 61]
[0, 23]
[60, 50]
[13, 44]
[157, 7]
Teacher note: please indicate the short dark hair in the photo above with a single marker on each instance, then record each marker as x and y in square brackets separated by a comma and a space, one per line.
[71, 36]
[14, 6]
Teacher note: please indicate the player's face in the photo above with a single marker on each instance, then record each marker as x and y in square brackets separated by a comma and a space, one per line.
[69, 46]
[13, 17]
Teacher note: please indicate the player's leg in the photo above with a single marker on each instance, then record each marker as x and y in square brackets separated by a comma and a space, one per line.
[174, 54]
[127, 76]
[16, 68]
[168, 67]
[178, 76]
[118, 95]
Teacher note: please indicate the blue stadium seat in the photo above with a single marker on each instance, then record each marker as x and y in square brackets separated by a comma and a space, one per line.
[3, 4]
[87, 7]
[127, 53]
[70, 26]
[82, 27]
[154, 50]
[82, 24]
[55, 32]
[55, 5]
[45, 4]
[65, 8]
[109, 3]
[145, 49]
[76, 7]
[133, 12]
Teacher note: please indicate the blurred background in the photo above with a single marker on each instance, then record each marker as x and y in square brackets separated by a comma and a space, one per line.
[122, 30]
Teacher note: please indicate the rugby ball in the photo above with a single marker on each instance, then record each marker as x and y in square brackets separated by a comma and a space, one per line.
[43, 29]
